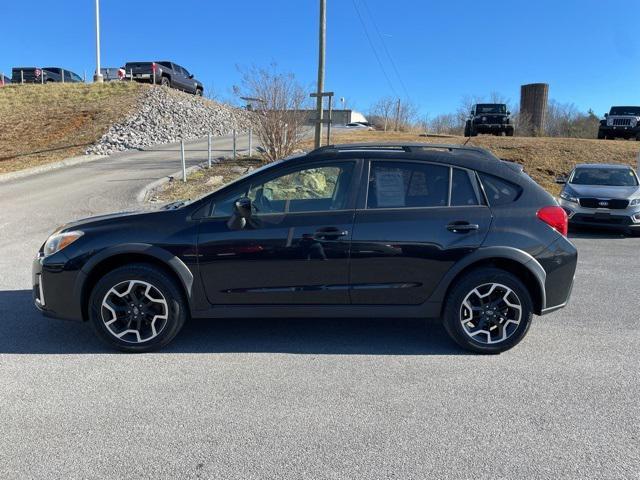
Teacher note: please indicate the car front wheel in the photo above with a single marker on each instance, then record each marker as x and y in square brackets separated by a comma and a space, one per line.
[137, 308]
[488, 311]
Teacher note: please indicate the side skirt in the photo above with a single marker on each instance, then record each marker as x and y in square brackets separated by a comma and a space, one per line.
[426, 310]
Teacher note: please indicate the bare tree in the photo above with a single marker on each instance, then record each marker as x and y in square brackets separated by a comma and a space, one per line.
[382, 112]
[278, 103]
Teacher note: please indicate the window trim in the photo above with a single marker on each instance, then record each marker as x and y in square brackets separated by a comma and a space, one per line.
[471, 173]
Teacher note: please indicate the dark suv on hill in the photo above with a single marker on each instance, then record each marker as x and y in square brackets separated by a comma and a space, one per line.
[620, 122]
[493, 118]
[419, 231]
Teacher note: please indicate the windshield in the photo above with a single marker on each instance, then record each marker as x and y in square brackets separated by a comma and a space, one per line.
[490, 108]
[633, 111]
[609, 177]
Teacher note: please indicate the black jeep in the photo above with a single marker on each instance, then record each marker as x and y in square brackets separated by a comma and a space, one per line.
[620, 122]
[489, 118]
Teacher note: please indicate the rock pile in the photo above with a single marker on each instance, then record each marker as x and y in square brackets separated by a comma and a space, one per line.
[164, 115]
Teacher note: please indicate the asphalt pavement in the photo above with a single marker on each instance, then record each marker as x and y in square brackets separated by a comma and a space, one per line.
[298, 398]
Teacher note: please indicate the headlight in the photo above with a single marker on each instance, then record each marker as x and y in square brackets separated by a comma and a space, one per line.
[58, 241]
[484, 119]
[635, 202]
[569, 198]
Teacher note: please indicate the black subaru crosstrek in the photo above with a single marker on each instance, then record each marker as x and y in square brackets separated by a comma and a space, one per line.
[423, 231]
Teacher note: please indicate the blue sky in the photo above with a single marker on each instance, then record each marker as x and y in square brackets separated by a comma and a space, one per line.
[587, 50]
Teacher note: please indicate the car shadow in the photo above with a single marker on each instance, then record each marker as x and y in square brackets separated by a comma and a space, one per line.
[23, 330]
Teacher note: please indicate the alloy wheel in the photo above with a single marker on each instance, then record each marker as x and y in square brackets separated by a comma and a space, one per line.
[490, 313]
[134, 311]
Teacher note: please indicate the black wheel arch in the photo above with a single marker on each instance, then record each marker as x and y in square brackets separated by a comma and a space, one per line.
[512, 260]
[112, 258]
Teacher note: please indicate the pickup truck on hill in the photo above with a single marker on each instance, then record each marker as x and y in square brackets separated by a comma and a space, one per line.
[165, 73]
[43, 75]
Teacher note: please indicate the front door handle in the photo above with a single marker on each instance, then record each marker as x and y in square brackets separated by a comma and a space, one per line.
[462, 227]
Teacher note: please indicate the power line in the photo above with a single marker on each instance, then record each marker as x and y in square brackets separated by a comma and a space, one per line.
[384, 45]
[373, 48]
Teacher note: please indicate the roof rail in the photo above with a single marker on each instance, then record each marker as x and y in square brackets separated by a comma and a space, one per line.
[405, 147]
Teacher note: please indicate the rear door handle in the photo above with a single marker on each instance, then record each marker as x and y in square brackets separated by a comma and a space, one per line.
[462, 227]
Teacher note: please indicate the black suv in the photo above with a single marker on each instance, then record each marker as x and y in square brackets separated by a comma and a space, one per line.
[489, 118]
[620, 122]
[421, 231]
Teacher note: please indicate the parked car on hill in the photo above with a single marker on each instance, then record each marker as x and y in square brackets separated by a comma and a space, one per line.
[164, 73]
[44, 75]
[620, 122]
[604, 196]
[493, 118]
[363, 230]
[112, 74]
[4, 80]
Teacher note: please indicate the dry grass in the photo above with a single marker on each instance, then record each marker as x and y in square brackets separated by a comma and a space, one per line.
[46, 123]
[542, 158]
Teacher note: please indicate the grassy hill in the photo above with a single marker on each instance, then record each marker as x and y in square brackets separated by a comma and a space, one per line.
[542, 158]
[46, 123]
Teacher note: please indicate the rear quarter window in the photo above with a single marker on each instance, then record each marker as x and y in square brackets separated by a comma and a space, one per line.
[499, 191]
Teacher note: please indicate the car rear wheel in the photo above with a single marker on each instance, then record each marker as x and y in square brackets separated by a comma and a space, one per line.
[137, 308]
[488, 311]
[199, 92]
[165, 82]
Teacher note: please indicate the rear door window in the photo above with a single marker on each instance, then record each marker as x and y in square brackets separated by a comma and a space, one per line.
[463, 192]
[407, 185]
[499, 191]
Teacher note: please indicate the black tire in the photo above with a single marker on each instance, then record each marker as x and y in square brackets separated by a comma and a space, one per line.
[510, 132]
[601, 135]
[480, 279]
[638, 137]
[165, 82]
[174, 308]
[198, 92]
[467, 129]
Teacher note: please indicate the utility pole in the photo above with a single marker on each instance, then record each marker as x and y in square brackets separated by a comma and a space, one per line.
[398, 115]
[321, 59]
[98, 76]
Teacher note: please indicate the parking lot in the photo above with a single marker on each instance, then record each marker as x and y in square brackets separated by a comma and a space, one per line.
[301, 398]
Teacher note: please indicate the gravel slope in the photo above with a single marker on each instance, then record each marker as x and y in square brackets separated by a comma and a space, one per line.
[164, 116]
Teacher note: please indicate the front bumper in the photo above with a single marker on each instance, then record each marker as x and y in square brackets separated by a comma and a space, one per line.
[612, 219]
[54, 288]
[619, 131]
[492, 127]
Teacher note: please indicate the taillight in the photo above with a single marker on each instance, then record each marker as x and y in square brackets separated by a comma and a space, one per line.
[154, 67]
[555, 217]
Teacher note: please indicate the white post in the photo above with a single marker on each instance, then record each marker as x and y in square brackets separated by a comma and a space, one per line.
[42, 76]
[235, 134]
[286, 130]
[98, 76]
[21, 76]
[250, 141]
[209, 150]
[184, 162]
[62, 70]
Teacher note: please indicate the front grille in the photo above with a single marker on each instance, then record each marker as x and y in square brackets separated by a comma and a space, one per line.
[612, 204]
[621, 122]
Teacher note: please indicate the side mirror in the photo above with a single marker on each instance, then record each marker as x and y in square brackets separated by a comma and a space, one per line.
[191, 75]
[508, 112]
[241, 213]
[561, 180]
[606, 115]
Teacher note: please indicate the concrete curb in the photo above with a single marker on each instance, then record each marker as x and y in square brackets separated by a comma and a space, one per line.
[147, 191]
[69, 162]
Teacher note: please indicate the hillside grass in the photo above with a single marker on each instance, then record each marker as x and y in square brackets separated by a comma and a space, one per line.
[542, 158]
[41, 124]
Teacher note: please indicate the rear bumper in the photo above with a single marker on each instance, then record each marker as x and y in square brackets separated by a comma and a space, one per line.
[559, 262]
